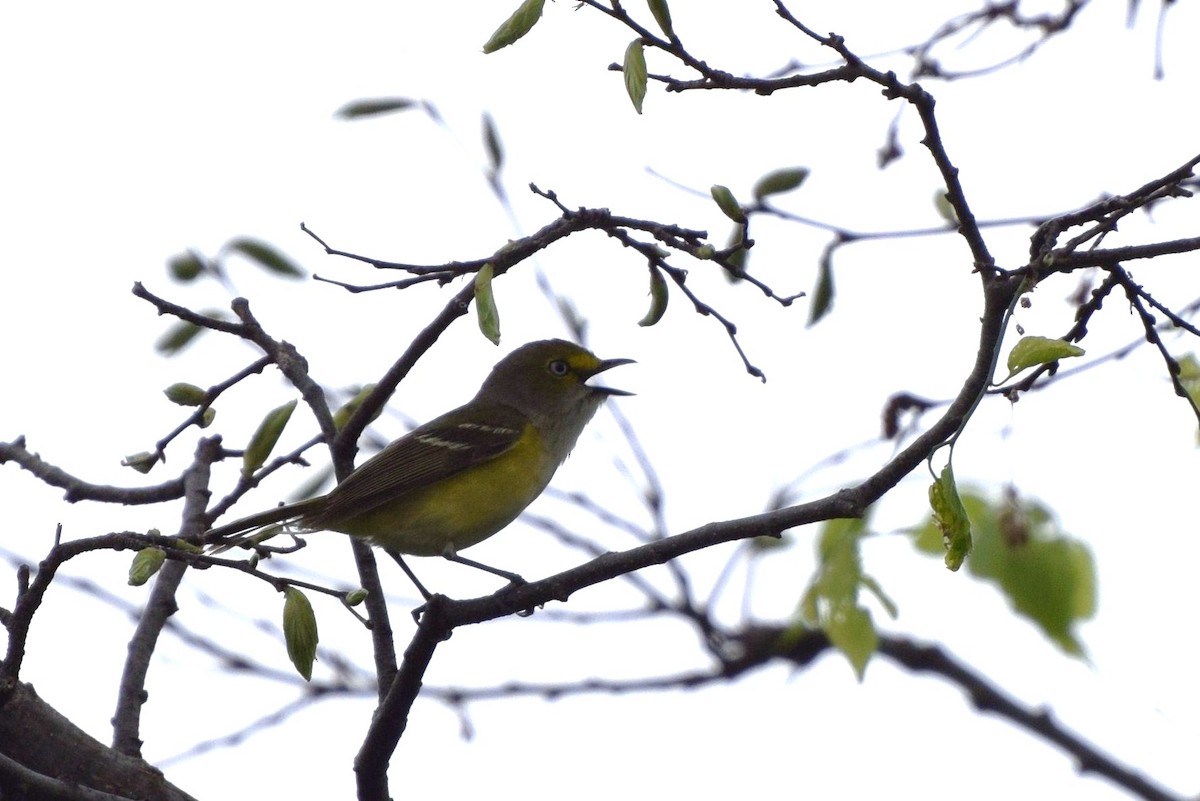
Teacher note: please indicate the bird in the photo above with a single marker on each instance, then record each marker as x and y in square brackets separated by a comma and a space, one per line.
[463, 476]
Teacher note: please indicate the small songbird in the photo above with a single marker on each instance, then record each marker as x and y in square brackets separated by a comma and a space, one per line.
[460, 478]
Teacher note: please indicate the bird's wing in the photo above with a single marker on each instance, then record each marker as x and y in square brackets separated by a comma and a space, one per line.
[437, 450]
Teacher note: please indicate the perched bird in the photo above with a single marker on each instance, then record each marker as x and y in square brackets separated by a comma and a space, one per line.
[460, 478]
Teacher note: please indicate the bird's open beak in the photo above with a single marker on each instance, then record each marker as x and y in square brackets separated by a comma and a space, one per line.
[608, 364]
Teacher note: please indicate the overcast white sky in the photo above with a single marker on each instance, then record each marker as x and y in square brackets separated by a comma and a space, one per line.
[134, 130]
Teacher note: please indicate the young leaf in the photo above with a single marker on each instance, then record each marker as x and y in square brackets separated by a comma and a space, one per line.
[853, 633]
[768, 544]
[357, 109]
[1048, 576]
[951, 518]
[738, 257]
[264, 439]
[840, 570]
[143, 461]
[300, 631]
[492, 144]
[177, 337]
[347, 410]
[186, 266]
[185, 394]
[181, 333]
[145, 564]
[485, 304]
[662, 15]
[266, 255]
[944, 208]
[516, 26]
[658, 298]
[1052, 582]
[1033, 350]
[635, 73]
[728, 203]
[822, 300]
[779, 181]
[831, 600]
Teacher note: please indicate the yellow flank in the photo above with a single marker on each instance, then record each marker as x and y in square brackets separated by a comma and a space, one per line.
[462, 510]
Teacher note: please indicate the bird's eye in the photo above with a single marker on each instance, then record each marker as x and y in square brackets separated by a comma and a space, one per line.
[558, 367]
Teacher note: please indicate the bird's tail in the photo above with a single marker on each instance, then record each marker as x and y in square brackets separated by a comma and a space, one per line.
[240, 532]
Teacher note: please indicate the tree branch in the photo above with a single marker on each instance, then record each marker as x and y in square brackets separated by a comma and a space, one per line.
[79, 490]
[131, 692]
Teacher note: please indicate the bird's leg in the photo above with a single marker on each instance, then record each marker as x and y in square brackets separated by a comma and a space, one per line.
[513, 578]
[453, 556]
[408, 572]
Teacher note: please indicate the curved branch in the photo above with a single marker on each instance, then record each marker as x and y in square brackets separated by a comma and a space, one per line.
[79, 490]
[986, 697]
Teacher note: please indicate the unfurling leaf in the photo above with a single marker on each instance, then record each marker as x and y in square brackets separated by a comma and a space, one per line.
[769, 544]
[185, 394]
[266, 256]
[728, 203]
[951, 518]
[1033, 350]
[658, 298]
[182, 332]
[300, 631]
[822, 300]
[177, 337]
[492, 144]
[347, 410]
[485, 304]
[662, 15]
[264, 439]
[944, 208]
[143, 462]
[738, 255]
[186, 266]
[779, 181]
[145, 564]
[516, 26]
[373, 107]
[635, 73]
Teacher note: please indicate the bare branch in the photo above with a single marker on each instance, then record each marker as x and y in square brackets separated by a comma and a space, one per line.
[79, 490]
[131, 692]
